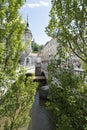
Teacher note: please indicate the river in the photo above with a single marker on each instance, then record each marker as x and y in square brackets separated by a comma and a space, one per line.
[40, 117]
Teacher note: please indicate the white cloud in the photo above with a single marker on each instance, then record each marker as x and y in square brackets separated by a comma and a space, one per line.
[40, 4]
[33, 5]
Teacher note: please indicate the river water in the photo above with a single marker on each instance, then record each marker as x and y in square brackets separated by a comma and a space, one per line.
[40, 117]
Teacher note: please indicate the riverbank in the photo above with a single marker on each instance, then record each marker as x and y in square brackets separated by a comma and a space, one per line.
[40, 117]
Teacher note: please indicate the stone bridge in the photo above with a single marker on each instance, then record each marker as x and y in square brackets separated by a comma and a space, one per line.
[41, 69]
[44, 71]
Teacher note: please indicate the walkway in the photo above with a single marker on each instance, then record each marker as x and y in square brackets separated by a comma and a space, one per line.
[31, 69]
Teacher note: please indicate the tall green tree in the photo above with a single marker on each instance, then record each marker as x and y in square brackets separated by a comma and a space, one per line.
[16, 93]
[68, 91]
[69, 19]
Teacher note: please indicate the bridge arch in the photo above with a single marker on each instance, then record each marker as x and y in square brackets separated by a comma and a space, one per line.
[43, 74]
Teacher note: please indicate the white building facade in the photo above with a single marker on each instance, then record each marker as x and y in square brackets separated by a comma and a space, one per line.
[49, 50]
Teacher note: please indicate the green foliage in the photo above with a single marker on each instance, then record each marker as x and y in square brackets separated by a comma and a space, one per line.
[36, 47]
[16, 95]
[68, 24]
[68, 91]
[67, 95]
[17, 102]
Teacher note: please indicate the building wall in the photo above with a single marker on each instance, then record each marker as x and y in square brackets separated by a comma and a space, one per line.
[32, 59]
[49, 49]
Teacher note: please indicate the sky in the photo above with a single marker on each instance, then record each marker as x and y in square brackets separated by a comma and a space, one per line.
[38, 18]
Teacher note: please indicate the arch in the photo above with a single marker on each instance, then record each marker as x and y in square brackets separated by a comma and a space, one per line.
[43, 74]
[45, 80]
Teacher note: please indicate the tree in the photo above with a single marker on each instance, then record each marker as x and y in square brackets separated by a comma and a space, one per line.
[36, 47]
[67, 98]
[16, 93]
[68, 91]
[69, 19]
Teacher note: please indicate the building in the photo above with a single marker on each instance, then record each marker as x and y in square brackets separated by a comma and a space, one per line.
[27, 40]
[32, 59]
[49, 50]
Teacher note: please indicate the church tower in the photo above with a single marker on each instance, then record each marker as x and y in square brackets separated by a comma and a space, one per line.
[27, 37]
[27, 40]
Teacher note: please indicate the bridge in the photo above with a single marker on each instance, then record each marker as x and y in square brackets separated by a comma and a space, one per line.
[30, 69]
[44, 71]
[40, 72]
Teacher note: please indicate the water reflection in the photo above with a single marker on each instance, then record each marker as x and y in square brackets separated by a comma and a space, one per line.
[40, 118]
